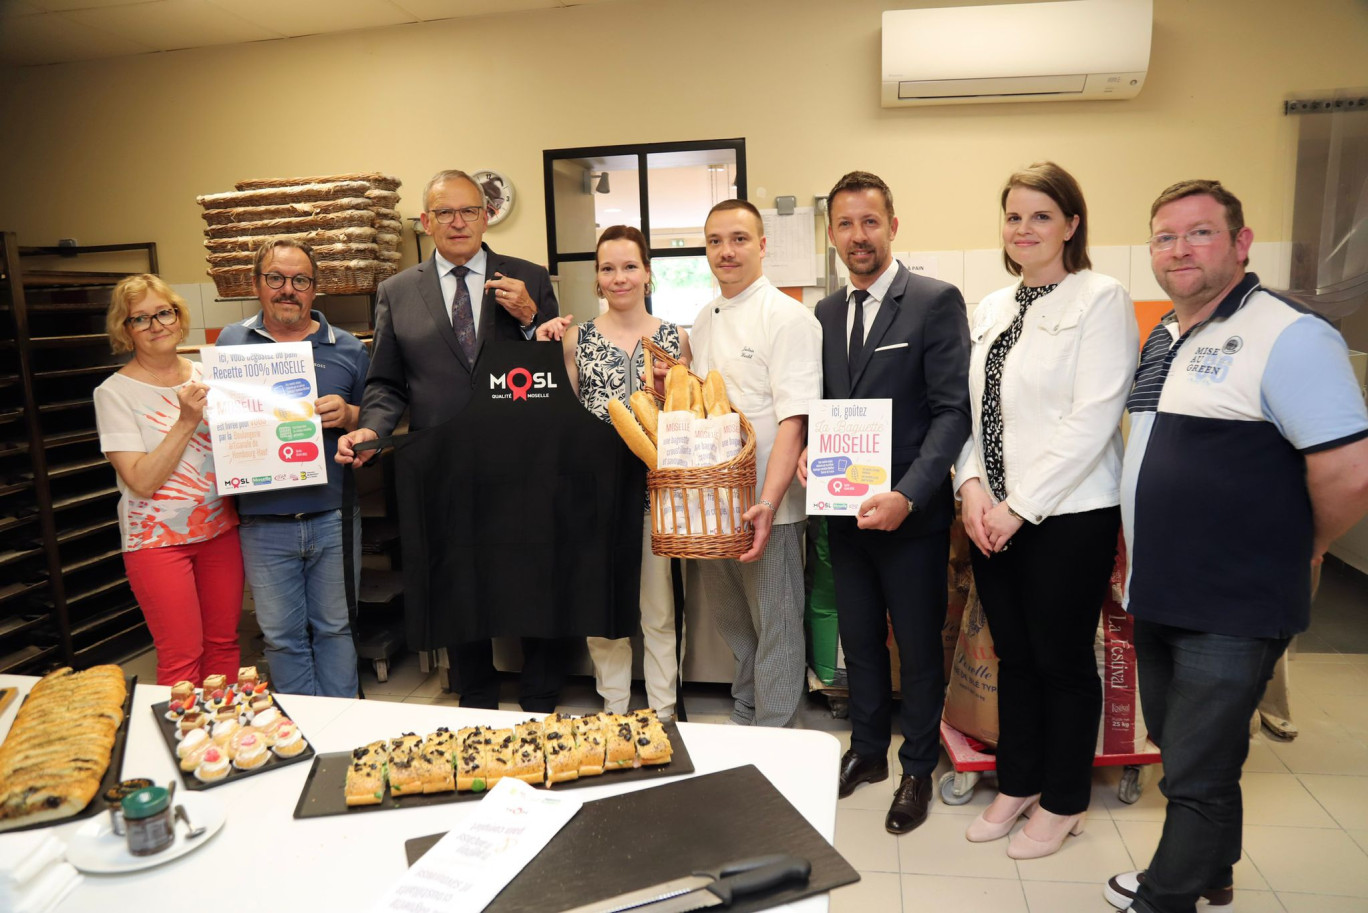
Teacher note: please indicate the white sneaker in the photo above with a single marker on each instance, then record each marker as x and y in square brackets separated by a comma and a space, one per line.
[1121, 889]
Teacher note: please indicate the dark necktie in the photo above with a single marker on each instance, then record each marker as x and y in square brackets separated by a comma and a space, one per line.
[857, 330]
[462, 316]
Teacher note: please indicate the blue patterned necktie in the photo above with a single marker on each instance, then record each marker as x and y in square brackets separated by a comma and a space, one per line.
[462, 316]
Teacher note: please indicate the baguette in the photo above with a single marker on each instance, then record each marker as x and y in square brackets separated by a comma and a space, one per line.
[435, 762]
[715, 400]
[677, 389]
[366, 776]
[405, 774]
[472, 759]
[562, 753]
[652, 744]
[620, 752]
[647, 412]
[529, 756]
[59, 745]
[591, 744]
[630, 431]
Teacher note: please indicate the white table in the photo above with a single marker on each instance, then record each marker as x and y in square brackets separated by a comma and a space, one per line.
[264, 858]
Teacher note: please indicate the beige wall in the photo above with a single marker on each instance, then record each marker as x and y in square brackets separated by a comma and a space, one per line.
[116, 150]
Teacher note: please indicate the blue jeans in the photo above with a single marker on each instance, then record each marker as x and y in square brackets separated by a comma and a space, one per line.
[1198, 692]
[294, 568]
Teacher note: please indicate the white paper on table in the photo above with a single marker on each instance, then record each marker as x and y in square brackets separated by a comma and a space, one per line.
[790, 247]
[469, 866]
[263, 427]
[850, 454]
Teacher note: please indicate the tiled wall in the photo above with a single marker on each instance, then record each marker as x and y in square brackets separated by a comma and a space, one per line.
[978, 272]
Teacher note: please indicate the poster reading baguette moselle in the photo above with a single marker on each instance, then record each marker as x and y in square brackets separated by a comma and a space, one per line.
[849, 455]
[262, 424]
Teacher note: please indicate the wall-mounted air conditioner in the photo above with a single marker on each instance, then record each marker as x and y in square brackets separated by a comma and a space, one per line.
[1072, 50]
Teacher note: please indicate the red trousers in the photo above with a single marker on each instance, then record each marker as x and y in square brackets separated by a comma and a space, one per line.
[191, 596]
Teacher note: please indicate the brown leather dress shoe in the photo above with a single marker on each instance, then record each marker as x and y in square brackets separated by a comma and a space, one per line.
[857, 769]
[908, 810]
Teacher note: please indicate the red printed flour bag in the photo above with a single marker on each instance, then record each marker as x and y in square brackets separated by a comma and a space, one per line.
[1123, 726]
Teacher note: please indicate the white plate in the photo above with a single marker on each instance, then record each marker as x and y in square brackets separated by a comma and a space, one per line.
[96, 848]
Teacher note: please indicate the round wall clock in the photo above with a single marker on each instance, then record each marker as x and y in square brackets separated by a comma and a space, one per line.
[498, 192]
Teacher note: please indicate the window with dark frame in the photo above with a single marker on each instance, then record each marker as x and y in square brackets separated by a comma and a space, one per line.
[665, 189]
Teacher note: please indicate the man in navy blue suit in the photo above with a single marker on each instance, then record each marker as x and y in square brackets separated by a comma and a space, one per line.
[892, 335]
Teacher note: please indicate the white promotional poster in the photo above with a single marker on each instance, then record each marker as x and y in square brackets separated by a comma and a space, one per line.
[265, 432]
[850, 454]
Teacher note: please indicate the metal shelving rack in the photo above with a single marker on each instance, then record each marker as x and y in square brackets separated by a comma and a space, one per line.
[64, 598]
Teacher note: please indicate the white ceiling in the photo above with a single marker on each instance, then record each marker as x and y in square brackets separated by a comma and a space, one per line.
[36, 32]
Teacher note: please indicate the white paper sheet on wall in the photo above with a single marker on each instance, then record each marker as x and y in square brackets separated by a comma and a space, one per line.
[790, 247]
[927, 265]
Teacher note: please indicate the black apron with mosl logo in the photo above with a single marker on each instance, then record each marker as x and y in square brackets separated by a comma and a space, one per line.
[522, 514]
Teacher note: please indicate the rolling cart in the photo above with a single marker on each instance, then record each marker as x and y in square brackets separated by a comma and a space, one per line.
[971, 759]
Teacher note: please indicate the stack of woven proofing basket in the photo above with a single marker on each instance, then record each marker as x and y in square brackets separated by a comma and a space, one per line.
[350, 221]
[731, 483]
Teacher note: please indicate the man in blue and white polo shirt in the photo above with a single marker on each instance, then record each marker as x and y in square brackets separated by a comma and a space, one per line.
[1247, 457]
[292, 538]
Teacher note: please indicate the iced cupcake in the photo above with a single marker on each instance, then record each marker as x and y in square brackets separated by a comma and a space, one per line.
[251, 753]
[195, 757]
[266, 718]
[224, 731]
[288, 741]
[195, 738]
[213, 766]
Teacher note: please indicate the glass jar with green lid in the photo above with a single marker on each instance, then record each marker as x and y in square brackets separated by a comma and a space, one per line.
[147, 818]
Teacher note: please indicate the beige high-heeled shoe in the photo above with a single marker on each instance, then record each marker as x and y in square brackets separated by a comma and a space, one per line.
[1024, 846]
[981, 830]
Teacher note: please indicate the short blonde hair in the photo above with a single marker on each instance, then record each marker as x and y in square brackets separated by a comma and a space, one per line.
[131, 290]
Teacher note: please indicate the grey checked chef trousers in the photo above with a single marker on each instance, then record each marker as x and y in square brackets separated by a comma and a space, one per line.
[758, 608]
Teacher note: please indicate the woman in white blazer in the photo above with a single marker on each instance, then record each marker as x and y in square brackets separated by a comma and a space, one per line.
[1051, 366]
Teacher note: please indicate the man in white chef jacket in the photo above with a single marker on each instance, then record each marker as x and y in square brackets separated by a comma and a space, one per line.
[768, 349]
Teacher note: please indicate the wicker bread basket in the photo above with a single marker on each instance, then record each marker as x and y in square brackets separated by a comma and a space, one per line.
[352, 218]
[312, 238]
[335, 277]
[275, 196]
[321, 253]
[283, 210]
[384, 198]
[731, 483]
[373, 178]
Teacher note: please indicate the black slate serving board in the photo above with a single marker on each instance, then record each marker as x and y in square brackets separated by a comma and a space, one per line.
[324, 791]
[632, 841]
[273, 762]
[112, 774]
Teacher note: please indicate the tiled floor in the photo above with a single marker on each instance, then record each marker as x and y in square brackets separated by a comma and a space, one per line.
[1306, 801]
[1306, 814]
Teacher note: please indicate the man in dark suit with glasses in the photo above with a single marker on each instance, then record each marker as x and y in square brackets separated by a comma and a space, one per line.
[431, 321]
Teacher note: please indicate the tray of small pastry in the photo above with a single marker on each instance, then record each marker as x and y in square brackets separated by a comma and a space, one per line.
[65, 748]
[220, 733]
[454, 766]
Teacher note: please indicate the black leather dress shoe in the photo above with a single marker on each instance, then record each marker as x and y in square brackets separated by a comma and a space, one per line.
[857, 769]
[908, 810]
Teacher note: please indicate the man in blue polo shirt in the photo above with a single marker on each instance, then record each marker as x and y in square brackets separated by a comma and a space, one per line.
[1247, 457]
[292, 538]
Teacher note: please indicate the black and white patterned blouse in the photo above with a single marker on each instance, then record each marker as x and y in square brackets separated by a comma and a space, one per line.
[992, 389]
[604, 368]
